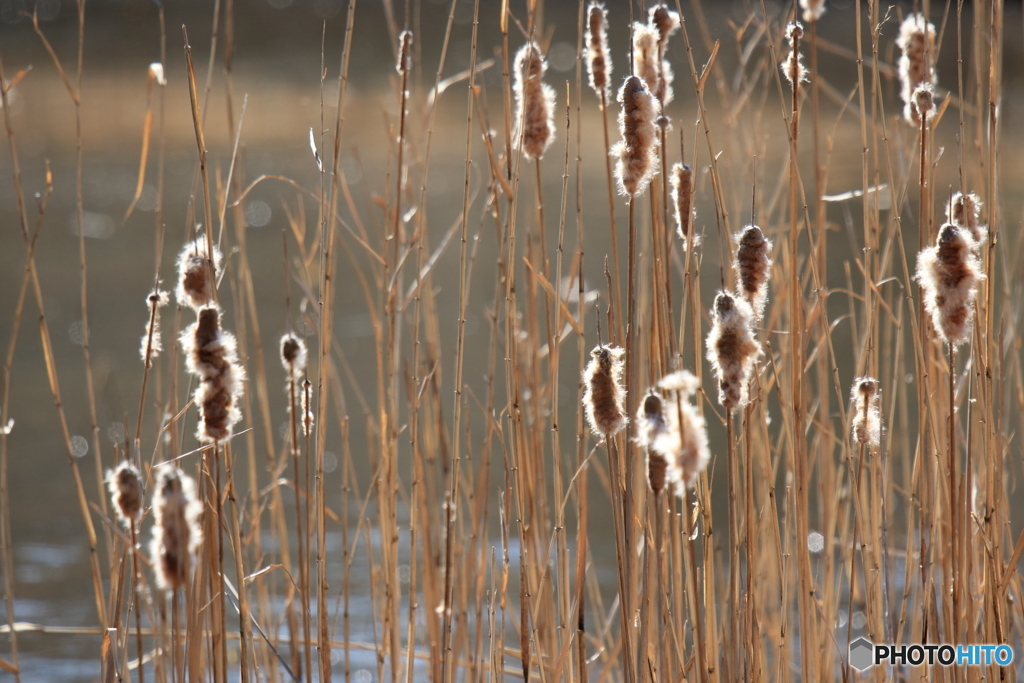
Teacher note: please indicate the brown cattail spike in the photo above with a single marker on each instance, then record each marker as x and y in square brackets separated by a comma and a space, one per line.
[682, 200]
[917, 63]
[813, 9]
[293, 358]
[793, 68]
[195, 287]
[732, 349]
[212, 356]
[637, 152]
[683, 441]
[599, 61]
[645, 54]
[125, 486]
[650, 424]
[293, 355]
[666, 22]
[404, 64]
[307, 413]
[753, 268]
[535, 102]
[949, 274]
[176, 528]
[864, 407]
[604, 397]
[964, 211]
[922, 103]
[152, 343]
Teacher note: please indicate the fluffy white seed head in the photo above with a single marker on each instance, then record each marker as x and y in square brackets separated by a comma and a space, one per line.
[865, 396]
[682, 439]
[599, 60]
[535, 102]
[793, 67]
[964, 211]
[922, 103]
[681, 180]
[195, 285]
[211, 354]
[125, 486]
[636, 153]
[152, 341]
[949, 274]
[604, 395]
[917, 61]
[645, 54]
[753, 267]
[176, 531]
[732, 349]
[813, 9]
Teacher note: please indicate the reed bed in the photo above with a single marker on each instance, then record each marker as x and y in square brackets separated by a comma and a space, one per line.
[759, 424]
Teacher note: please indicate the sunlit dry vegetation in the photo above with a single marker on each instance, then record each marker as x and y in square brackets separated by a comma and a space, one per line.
[704, 360]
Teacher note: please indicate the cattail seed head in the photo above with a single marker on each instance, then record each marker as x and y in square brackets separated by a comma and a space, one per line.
[604, 396]
[404, 64]
[176, 533]
[293, 356]
[682, 200]
[599, 61]
[665, 20]
[152, 342]
[125, 486]
[664, 92]
[753, 268]
[964, 211]
[195, 286]
[917, 63]
[683, 439]
[732, 349]
[535, 102]
[637, 152]
[307, 412]
[949, 274]
[645, 54]
[864, 407]
[793, 67]
[813, 9]
[650, 424]
[922, 103]
[212, 356]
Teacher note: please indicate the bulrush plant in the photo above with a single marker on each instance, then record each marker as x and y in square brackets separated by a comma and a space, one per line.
[197, 274]
[867, 416]
[444, 471]
[666, 22]
[964, 211]
[683, 439]
[682, 204]
[917, 61]
[211, 355]
[949, 273]
[753, 265]
[535, 102]
[732, 349]
[177, 536]
[636, 154]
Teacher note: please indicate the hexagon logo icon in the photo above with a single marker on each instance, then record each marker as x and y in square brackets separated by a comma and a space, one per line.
[862, 654]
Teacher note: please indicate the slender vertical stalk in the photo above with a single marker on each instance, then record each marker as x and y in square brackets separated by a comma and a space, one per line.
[447, 668]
